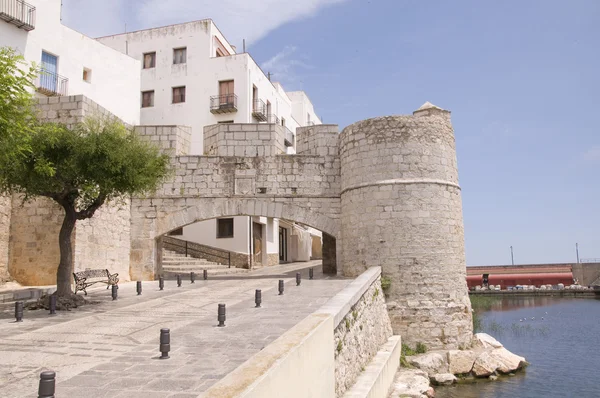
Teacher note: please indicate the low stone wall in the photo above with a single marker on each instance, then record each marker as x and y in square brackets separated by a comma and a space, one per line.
[5, 210]
[361, 332]
[308, 360]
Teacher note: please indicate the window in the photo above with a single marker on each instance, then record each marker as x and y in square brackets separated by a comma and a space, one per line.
[149, 60]
[220, 51]
[178, 94]
[87, 75]
[176, 232]
[179, 55]
[147, 99]
[282, 121]
[225, 121]
[225, 228]
[226, 92]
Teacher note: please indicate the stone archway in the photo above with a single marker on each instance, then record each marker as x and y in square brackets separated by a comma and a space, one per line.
[152, 222]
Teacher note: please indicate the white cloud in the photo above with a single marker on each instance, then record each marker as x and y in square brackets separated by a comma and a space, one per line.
[237, 19]
[283, 66]
[592, 155]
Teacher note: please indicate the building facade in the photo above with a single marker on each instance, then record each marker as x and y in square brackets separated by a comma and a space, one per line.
[69, 62]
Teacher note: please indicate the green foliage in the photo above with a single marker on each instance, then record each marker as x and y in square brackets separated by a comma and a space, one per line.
[375, 293]
[386, 283]
[421, 348]
[347, 323]
[85, 166]
[339, 346]
[354, 314]
[16, 111]
[407, 351]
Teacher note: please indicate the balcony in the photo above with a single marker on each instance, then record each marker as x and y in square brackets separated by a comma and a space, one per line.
[259, 110]
[18, 13]
[226, 103]
[273, 119]
[52, 84]
[288, 137]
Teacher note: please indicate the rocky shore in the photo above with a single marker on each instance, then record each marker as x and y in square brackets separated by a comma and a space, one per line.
[485, 358]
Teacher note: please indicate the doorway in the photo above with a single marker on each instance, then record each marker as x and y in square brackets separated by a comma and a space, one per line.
[283, 254]
[258, 243]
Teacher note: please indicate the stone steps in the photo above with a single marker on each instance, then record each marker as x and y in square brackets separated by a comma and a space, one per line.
[176, 263]
[377, 378]
[211, 272]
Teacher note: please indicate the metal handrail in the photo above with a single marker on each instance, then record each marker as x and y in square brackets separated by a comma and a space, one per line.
[51, 83]
[183, 245]
[223, 101]
[18, 10]
[259, 106]
[273, 119]
[289, 137]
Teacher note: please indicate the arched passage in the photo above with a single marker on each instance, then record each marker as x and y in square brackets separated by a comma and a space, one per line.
[158, 218]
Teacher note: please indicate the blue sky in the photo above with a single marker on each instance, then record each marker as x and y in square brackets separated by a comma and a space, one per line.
[522, 79]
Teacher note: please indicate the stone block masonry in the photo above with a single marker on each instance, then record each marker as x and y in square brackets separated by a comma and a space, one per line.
[5, 212]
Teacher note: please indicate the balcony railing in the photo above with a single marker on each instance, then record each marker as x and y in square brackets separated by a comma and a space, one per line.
[289, 137]
[225, 103]
[52, 84]
[273, 119]
[259, 110]
[18, 13]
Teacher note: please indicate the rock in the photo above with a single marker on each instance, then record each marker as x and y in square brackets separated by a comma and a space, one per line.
[485, 365]
[430, 393]
[443, 379]
[460, 362]
[413, 383]
[507, 361]
[493, 378]
[483, 340]
[432, 362]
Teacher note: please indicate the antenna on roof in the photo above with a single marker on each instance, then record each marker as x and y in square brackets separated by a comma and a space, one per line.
[269, 75]
[244, 45]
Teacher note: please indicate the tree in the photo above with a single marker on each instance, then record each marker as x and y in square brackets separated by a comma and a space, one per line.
[16, 111]
[81, 169]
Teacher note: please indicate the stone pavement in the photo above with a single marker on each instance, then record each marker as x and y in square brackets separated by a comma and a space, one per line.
[111, 349]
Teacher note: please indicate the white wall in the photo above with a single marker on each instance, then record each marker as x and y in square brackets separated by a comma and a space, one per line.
[301, 107]
[201, 75]
[115, 82]
[205, 233]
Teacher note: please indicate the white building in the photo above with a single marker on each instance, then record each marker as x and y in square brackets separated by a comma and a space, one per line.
[72, 63]
[191, 75]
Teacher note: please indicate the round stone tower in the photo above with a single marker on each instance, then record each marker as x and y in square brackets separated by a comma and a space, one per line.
[402, 210]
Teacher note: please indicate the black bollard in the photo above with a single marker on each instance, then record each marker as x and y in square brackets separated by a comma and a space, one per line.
[280, 287]
[192, 277]
[310, 273]
[221, 315]
[19, 311]
[178, 280]
[165, 343]
[258, 298]
[138, 287]
[114, 291]
[205, 274]
[161, 283]
[297, 278]
[47, 384]
[53, 304]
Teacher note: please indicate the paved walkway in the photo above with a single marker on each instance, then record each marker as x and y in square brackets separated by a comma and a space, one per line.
[111, 349]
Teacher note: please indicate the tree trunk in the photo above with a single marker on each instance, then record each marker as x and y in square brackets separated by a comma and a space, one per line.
[65, 267]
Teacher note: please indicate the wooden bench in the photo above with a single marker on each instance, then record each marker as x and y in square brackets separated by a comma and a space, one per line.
[85, 279]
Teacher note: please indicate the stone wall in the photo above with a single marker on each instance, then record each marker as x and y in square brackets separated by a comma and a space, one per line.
[5, 211]
[248, 139]
[322, 140]
[401, 209]
[360, 335]
[68, 110]
[174, 140]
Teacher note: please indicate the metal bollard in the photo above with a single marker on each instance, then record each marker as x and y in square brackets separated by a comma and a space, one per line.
[221, 315]
[178, 280]
[138, 288]
[192, 277]
[297, 278]
[280, 287]
[52, 304]
[161, 283]
[310, 273]
[205, 274]
[258, 298]
[19, 311]
[114, 291]
[165, 343]
[47, 384]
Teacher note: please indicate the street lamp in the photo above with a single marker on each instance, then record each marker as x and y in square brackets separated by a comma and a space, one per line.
[512, 257]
